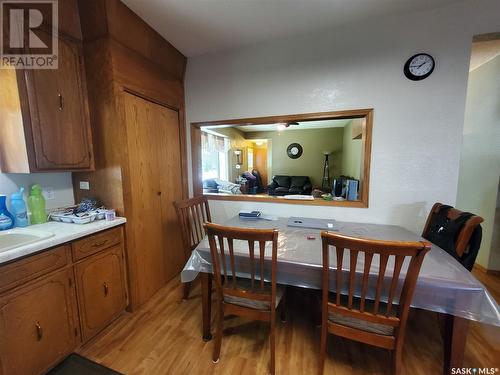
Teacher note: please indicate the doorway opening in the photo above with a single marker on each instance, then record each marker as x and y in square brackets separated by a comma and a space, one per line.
[479, 173]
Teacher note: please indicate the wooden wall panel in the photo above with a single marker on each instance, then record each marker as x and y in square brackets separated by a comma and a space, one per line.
[125, 56]
[113, 19]
[68, 19]
[134, 72]
[106, 181]
[144, 39]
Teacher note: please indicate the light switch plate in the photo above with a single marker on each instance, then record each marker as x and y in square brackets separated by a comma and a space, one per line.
[84, 185]
[48, 193]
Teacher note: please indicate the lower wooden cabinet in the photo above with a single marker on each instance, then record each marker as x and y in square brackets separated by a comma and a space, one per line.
[38, 325]
[52, 302]
[101, 290]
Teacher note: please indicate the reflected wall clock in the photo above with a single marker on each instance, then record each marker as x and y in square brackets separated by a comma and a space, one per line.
[419, 66]
[294, 151]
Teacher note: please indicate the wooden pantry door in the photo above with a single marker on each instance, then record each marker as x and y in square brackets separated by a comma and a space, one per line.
[154, 153]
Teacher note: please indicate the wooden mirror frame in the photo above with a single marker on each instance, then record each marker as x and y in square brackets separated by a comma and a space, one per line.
[337, 115]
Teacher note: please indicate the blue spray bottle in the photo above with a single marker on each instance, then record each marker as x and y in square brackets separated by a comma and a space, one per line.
[18, 209]
[6, 219]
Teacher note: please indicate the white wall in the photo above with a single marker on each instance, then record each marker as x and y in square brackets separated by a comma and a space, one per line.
[480, 159]
[60, 182]
[417, 126]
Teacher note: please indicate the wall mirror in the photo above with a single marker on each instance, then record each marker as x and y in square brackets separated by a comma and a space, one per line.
[316, 158]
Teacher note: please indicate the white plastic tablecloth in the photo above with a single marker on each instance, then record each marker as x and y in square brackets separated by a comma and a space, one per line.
[443, 284]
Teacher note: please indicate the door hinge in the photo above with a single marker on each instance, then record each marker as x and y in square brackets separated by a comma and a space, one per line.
[70, 282]
[76, 332]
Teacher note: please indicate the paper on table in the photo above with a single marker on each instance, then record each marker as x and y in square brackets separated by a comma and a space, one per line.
[305, 222]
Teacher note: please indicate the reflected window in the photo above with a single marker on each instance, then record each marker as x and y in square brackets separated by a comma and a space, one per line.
[214, 150]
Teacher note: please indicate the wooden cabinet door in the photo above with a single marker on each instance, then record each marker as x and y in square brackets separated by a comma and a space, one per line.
[168, 148]
[38, 325]
[260, 163]
[101, 293]
[59, 113]
[154, 152]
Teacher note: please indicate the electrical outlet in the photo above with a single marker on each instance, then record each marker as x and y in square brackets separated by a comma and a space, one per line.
[84, 185]
[48, 193]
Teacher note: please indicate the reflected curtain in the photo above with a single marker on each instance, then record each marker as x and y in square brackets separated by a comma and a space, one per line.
[212, 143]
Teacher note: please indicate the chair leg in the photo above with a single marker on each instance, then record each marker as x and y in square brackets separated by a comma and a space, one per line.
[218, 333]
[322, 350]
[272, 345]
[396, 361]
[186, 289]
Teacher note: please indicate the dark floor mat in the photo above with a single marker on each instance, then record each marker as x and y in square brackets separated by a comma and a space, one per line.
[75, 364]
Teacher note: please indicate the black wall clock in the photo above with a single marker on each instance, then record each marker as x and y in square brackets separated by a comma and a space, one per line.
[419, 66]
[294, 150]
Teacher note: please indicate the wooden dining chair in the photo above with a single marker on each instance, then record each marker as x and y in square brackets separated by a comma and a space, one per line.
[192, 213]
[374, 322]
[466, 231]
[252, 298]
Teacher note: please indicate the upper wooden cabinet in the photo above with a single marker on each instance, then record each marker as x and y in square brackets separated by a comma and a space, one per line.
[45, 121]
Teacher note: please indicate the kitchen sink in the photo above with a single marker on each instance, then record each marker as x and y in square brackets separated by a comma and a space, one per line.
[16, 237]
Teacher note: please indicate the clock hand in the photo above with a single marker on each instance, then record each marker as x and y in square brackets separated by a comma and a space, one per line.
[419, 66]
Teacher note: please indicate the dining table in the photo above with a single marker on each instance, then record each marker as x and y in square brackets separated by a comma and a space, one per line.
[443, 286]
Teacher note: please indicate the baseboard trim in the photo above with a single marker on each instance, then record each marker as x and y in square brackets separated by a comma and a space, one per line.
[486, 271]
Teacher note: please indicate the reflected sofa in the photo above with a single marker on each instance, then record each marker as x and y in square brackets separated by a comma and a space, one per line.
[286, 185]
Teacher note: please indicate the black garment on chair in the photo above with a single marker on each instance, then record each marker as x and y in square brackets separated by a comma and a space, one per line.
[444, 231]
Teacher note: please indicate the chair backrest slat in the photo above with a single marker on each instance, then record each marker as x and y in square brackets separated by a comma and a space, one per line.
[364, 284]
[195, 224]
[251, 249]
[231, 256]
[262, 248]
[340, 257]
[222, 255]
[243, 236]
[398, 263]
[385, 250]
[192, 213]
[352, 276]
[380, 281]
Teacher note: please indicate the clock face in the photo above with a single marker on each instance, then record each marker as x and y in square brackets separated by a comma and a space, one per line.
[294, 151]
[419, 66]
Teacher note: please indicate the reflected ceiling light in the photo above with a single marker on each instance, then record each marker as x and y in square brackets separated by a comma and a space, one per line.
[259, 143]
[282, 126]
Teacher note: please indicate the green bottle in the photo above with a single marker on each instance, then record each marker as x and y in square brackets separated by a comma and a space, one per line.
[36, 204]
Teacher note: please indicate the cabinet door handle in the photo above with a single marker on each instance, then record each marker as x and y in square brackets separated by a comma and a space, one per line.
[106, 289]
[98, 244]
[39, 331]
[61, 102]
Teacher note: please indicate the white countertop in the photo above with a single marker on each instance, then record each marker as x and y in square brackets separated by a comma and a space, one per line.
[63, 232]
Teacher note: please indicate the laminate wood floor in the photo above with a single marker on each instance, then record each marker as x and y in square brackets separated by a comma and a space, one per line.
[164, 337]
